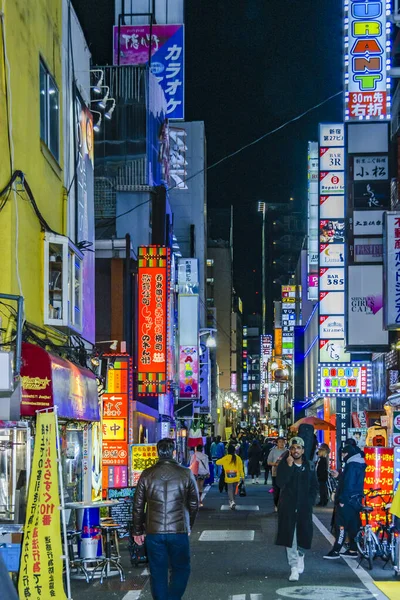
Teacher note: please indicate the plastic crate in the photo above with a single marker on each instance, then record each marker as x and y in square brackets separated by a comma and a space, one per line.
[11, 555]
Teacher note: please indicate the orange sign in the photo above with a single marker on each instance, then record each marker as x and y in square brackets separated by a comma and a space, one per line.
[152, 319]
[278, 341]
[115, 453]
[115, 406]
[117, 379]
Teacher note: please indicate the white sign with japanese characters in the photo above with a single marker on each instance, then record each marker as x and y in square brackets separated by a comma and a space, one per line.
[331, 134]
[371, 168]
[367, 222]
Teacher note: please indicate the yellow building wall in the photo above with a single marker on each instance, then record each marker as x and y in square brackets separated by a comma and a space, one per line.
[33, 29]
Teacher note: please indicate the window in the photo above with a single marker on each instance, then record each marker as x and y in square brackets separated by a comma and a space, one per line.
[210, 262]
[62, 283]
[49, 111]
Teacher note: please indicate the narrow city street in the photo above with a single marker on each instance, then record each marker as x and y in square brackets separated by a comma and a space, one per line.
[234, 558]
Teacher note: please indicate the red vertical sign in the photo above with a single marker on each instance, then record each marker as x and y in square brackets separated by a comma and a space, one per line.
[152, 320]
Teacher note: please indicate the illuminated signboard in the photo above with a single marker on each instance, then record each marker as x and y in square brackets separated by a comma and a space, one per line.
[143, 456]
[366, 59]
[312, 250]
[288, 319]
[354, 379]
[152, 319]
[265, 356]
[392, 271]
[379, 474]
[115, 413]
[331, 243]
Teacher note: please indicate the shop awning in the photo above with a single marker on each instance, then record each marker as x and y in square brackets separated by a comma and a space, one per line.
[48, 380]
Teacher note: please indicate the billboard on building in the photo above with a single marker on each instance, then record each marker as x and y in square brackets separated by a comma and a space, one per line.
[353, 379]
[265, 356]
[392, 270]
[164, 46]
[312, 227]
[366, 60]
[152, 319]
[188, 275]
[189, 364]
[288, 319]
[331, 254]
[84, 211]
[364, 319]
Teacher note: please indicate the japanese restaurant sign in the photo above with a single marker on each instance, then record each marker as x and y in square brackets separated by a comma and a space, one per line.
[392, 271]
[152, 320]
[366, 56]
[41, 569]
[143, 456]
[379, 474]
[115, 413]
[166, 45]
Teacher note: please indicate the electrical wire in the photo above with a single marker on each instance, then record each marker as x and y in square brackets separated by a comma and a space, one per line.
[259, 139]
[3, 42]
[228, 156]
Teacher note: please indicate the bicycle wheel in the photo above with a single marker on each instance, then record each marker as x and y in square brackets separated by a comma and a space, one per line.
[361, 541]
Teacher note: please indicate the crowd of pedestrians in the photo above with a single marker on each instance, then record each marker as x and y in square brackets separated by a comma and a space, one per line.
[168, 497]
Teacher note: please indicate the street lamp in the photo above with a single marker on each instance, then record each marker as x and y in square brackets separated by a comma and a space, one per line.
[211, 342]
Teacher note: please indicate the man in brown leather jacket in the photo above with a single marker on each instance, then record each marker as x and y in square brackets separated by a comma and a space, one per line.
[164, 509]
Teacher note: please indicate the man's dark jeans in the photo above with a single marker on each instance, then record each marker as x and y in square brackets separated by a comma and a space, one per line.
[168, 551]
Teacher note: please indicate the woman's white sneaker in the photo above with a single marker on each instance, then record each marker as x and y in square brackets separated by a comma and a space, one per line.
[294, 574]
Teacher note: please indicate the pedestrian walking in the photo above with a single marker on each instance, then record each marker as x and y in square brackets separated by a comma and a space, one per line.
[164, 510]
[348, 502]
[200, 469]
[244, 454]
[217, 451]
[298, 490]
[266, 449]
[233, 469]
[322, 473]
[255, 456]
[273, 460]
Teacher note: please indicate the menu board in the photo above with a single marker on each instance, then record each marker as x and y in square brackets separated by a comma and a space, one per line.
[122, 513]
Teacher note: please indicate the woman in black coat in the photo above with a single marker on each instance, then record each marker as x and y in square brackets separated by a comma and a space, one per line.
[322, 473]
[255, 456]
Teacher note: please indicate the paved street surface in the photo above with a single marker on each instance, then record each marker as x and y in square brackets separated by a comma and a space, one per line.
[234, 558]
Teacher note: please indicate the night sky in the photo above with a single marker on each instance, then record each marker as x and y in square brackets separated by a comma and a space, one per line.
[250, 66]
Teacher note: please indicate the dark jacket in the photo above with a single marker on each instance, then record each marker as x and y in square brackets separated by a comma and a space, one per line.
[322, 469]
[266, 449]
[255, 455]
[244, 450]
[351, 481]
[298, 491]
[170, 493]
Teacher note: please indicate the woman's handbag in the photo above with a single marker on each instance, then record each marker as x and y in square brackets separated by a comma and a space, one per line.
[194, 466]
[242, 490]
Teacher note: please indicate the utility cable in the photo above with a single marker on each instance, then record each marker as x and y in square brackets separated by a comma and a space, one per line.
[262, 137]
[228, 156]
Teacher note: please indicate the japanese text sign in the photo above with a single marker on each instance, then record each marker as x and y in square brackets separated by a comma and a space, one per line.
[379, 474]
[312, 226]
[41, 569]
[115, 413]
[366, 56]
[152, 319]
[392, 271]
[143, 456]
[166, 45]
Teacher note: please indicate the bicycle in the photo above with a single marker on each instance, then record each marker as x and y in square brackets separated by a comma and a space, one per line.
[396, 547]
[371, 544]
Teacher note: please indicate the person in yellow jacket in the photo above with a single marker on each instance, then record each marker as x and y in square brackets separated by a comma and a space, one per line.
[233, 468]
